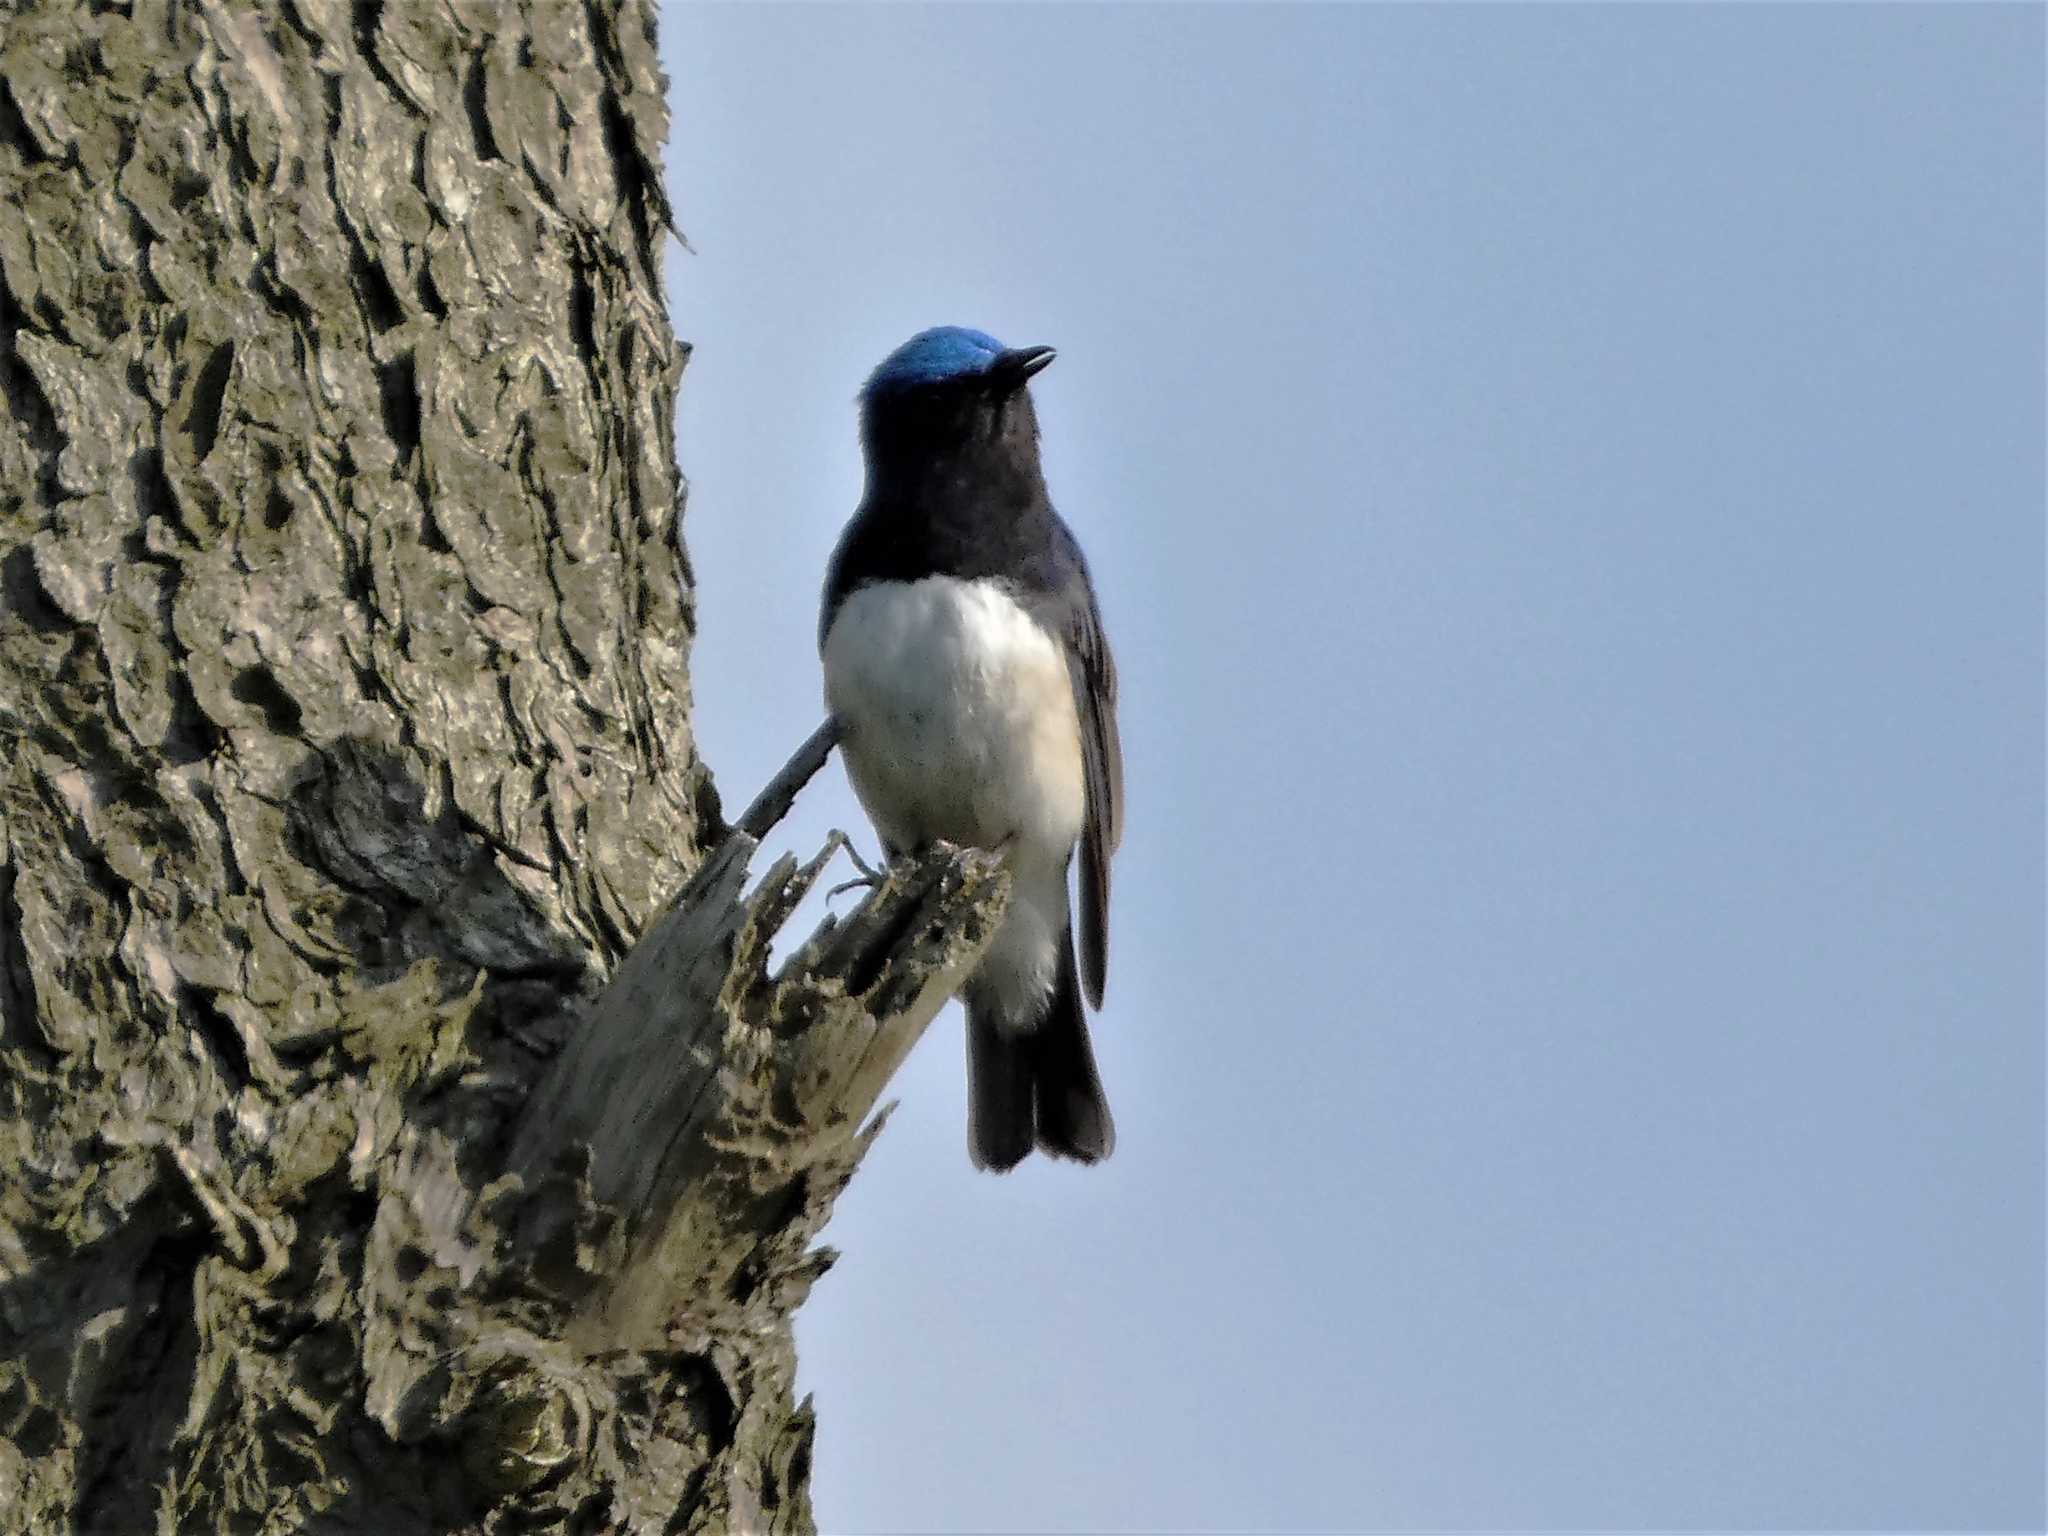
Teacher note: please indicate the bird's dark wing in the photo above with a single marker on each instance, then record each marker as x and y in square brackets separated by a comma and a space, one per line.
[1079, 626]
[852, 553]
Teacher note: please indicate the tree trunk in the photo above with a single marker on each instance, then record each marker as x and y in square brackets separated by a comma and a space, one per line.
[344, 758]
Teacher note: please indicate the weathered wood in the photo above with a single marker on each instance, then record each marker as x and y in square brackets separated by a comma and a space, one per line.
[704, 1091]
[657, 1205]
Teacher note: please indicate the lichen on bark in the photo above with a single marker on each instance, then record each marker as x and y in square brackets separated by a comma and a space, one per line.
[344, 753]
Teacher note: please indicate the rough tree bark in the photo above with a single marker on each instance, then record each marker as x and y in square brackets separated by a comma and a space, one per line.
[362, 1166]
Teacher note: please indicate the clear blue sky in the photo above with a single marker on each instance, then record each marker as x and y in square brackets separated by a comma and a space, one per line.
[1566, 487]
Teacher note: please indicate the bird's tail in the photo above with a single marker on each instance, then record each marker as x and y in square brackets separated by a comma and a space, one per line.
[1073, 1114]
[998, 1091]
[1038, 1086]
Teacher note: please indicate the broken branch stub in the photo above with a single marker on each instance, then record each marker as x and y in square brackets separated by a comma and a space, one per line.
[707, 1112]
[780, 792]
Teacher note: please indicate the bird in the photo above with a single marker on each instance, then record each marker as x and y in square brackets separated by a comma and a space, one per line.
[966, 667]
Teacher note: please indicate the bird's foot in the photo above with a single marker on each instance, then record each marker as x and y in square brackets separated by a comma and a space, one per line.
[869, 876]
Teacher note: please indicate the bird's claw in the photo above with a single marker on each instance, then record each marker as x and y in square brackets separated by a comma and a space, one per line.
[868, 878]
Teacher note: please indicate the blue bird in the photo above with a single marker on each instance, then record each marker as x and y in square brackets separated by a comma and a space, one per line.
[965, 662]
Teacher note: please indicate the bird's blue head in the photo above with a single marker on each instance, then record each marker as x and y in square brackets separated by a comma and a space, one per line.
[953, 354]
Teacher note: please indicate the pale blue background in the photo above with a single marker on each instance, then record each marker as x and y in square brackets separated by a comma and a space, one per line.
[1566, 487]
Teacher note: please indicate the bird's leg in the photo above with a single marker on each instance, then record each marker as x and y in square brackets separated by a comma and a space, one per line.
[869, 877]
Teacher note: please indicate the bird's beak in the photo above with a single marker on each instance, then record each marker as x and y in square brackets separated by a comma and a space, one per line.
[1013, 367]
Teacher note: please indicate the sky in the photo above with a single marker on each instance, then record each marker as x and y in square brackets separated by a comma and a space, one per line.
[1566, 489]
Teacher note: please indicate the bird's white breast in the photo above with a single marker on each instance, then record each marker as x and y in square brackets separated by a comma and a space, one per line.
[959, 720]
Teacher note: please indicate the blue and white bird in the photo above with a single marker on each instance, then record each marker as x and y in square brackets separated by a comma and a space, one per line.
[965, 663]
